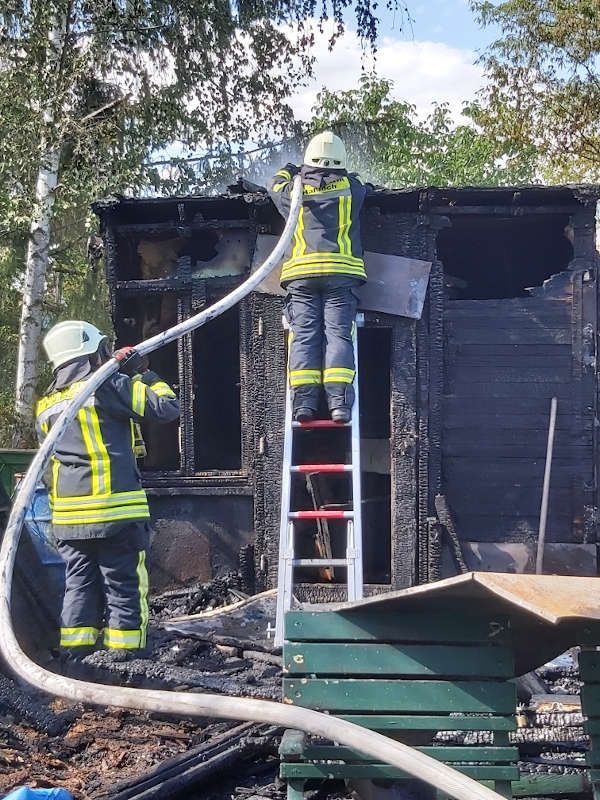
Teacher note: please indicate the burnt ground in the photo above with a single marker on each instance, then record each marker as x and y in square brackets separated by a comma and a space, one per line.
[126, 754]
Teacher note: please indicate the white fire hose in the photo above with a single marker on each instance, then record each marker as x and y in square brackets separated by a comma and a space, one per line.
[368, 742]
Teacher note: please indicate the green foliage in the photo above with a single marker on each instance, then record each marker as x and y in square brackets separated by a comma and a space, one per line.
[108, 83]
[389, 145]
[544, 89]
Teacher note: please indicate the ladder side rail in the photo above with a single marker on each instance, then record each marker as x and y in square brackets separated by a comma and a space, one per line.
[355, 585]
[285, 534]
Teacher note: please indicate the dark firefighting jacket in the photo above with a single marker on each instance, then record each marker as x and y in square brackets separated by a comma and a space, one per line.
[95, 484]
[327, 238]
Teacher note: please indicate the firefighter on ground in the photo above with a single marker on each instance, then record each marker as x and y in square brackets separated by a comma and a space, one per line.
[323, 267]
[99, 509]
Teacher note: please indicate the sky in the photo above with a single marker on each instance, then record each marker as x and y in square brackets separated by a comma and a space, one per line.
[432, 58]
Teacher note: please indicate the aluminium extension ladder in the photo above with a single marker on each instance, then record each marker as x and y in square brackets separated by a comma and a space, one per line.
[287, 557]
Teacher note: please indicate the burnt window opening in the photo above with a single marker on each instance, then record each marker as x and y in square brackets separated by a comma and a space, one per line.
[487, 257]
[212, 253]
[162, 441]
[217, 408]
[138, 317]
[333, 491]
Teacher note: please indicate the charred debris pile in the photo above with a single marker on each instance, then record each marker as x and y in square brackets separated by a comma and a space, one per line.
[137, 756]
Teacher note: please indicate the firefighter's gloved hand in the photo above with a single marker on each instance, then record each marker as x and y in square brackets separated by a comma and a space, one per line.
[130, 361]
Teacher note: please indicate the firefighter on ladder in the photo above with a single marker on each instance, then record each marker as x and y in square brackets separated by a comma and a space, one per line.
[323, 267]
[99, 509]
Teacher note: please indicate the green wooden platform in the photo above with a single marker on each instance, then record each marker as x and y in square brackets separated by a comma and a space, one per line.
[407, 676]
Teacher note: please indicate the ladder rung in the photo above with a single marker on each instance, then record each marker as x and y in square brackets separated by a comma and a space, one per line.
[321, 562]
[321, 515]
[321, 423]
[321, 468]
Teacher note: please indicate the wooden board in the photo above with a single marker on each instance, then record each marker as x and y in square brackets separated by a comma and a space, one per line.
[380, 771]
[386, 659]
[423, 722]
[450, 754]
[363, 625]
[400, 695]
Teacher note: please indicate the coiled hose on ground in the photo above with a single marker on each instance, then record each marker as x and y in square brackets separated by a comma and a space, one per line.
[368, 742]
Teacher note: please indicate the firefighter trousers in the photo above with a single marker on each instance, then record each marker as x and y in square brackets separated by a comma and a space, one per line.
[106, 588]
[321, 312]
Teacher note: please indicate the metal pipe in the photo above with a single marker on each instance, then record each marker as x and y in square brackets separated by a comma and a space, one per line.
[539, 561]
[368, 742]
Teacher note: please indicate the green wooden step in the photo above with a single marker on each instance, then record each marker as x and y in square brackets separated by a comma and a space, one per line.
[369, 625]
[415, 722]
[320, 752]
[547, 785]
[384, 771]
[589, 666]
[400, 659]
[400, 695]
[590, 699]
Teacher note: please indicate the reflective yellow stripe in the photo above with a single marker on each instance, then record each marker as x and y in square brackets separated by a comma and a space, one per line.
[104, 472]
[300, 246]
[331, 258]
[142, 574]
[78, 637]
[138, 400]
[277, 187]
[122, 640]
[44, 427]
[96, 450]
[57, 397]
[348, 223]
[338, 375]
[283, 173]
[300, 377]
[162, 389]
[288, 274]
[334, 186]
[55, 468]
[94, 501]
[341, 223]
[110, 515]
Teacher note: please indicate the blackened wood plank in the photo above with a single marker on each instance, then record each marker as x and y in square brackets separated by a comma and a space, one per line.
[479, 419]
[525, 472]
[514, 501]
[493, 353]
[494, 389]
[520, 404]
[508, 528]
[458, 374]
[508, 305]
[504, 332]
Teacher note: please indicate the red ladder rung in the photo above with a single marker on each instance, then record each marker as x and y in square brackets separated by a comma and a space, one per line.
[321, 515]
[321, 468]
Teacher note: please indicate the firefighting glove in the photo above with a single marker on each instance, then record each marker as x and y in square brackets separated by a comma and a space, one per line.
[130, 361]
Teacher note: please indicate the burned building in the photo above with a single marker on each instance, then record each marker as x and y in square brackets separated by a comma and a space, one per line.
[453, 404]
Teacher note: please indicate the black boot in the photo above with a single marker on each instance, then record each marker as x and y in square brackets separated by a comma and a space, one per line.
[303, 414]
[341, 414]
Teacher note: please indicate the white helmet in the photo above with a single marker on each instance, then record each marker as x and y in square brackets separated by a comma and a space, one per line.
[325, 150]
[71, 339]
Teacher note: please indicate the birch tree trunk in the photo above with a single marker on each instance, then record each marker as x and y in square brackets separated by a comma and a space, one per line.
[38, 248]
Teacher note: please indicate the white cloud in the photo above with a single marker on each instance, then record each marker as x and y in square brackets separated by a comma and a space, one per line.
[423, 72]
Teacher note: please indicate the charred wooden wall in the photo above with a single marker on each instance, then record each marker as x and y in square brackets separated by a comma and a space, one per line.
[469, 384]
